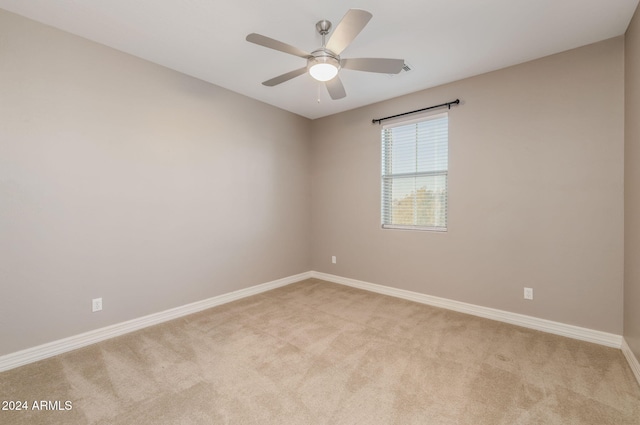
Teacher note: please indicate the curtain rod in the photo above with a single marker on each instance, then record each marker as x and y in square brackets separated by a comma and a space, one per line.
[448, 105]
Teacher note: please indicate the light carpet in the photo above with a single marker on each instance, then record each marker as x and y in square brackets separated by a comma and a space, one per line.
[319, 353]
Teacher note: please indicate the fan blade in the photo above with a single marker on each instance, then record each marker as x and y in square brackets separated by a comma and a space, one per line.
[349, 27]
[383, 66]
[335, 88]
[285, 77]
[276, 45]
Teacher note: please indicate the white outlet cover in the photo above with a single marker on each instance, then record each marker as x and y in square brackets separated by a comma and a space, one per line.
[528, 293]
[96, 304]
[333, 259]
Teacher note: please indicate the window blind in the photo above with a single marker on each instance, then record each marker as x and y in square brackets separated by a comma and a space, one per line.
[414, 174]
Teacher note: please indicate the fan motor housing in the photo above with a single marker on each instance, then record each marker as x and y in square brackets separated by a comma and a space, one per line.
[323, 55]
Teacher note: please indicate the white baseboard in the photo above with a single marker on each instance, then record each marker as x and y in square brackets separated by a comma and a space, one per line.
[631, 359]
[576, 332]
[30, 355]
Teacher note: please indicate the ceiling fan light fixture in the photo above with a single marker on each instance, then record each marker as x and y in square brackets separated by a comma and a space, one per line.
[324, 63]
[323, 68]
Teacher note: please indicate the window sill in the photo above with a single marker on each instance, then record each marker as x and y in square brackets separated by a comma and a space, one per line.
[418, 228]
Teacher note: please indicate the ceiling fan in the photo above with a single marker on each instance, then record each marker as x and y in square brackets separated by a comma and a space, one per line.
[324, 63]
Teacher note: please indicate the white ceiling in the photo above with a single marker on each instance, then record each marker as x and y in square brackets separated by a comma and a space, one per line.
[442, 40]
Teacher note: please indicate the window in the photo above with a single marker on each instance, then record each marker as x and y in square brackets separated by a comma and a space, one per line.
[414, 174]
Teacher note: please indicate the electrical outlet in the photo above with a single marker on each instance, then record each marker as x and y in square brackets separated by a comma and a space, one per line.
[333, 259]
[528, 293]
[96, 304]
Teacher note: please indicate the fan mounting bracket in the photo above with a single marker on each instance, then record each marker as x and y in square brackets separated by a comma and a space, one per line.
[323, 27]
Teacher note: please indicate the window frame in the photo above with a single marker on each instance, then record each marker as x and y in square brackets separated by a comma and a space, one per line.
[387, 175]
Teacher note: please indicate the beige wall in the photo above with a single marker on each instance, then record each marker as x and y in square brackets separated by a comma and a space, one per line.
[125, 180]
[632, 187]
[535, 192]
